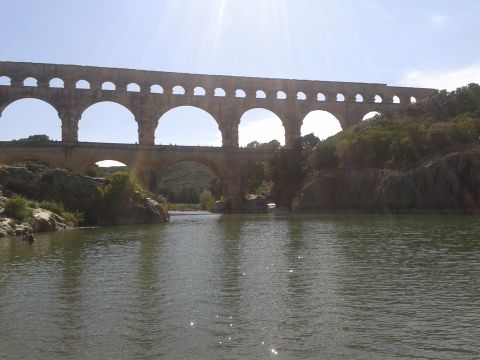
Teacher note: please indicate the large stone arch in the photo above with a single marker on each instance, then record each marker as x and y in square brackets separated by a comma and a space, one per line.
[22, 152]
[370, 114]
[86, 162]
[43, 159]
[194, 107]
[204, 107]
[216, 167]
[227, 172]
[86, 108]
[82, 107]
[267, 107]
[322, 115]
[269, 110]
[12, 101]
[6, 102]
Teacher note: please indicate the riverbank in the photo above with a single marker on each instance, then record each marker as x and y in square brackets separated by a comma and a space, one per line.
[446, 183]
[35, 198]
[21, 217]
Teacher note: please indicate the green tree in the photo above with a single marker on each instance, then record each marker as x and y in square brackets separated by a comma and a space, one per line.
[207, 201]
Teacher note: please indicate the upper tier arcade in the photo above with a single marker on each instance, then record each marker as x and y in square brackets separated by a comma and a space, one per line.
[71, 89]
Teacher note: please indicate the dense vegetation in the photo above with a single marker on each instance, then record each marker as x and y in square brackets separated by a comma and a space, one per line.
[184, 182]
[444, 120]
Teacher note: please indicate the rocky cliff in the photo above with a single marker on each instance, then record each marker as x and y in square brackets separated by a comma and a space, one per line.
[447, 183]
[78, 194]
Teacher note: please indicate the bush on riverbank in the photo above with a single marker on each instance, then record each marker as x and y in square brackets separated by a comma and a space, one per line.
[123, 201]
[21, 210]
[207, 201]
[17, 208]
[73, 218]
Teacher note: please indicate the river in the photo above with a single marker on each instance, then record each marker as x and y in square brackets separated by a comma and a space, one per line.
[246, 287]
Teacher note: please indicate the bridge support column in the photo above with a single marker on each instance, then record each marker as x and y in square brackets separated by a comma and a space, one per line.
[147, 123]
[70, 121]
[229, 136]
[232, 191]
[148, 179]
[146, 132]
[228, 126]
[292, 131]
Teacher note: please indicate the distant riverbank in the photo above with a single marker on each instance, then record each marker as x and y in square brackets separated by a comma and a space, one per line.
[445, 183]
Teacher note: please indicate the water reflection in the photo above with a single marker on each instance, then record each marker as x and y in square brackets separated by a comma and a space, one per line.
[399, 275]
[145, 314]
[68, 319]
[233, 287]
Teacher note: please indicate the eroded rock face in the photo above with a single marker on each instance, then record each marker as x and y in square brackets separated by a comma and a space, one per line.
[77, 193]
[137, 210]
[40, 183]
[447, 184]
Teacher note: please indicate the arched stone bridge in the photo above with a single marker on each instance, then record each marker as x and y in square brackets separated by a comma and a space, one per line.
[71, 89]
[148, 162]
[150, 94]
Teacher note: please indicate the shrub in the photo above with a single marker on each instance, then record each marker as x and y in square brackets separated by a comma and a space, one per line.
[161, 199]
[265, 188]
[53, 206]
[207, 201]
[93, 171]
[73, 218]
[17, 208]
[121, 186]
[114, 198]
[324, 156]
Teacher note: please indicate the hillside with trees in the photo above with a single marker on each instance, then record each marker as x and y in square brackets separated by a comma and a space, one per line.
[380, 151]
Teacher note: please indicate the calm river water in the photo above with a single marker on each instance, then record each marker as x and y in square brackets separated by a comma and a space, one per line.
[246, 287]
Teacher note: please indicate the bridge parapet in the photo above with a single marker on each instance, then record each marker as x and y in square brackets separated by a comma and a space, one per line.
[96, 76]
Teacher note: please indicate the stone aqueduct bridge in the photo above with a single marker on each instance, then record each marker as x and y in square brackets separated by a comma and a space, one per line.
[148, 162]
[71, 89]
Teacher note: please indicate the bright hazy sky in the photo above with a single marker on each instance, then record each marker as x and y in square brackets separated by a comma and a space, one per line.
[409, 42]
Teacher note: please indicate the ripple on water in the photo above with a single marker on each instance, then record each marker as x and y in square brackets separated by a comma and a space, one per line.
[225, 287]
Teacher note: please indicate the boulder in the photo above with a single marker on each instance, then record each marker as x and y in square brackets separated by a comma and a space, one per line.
[44, 220]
